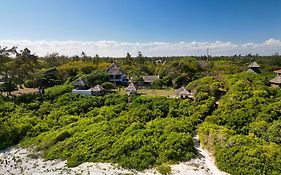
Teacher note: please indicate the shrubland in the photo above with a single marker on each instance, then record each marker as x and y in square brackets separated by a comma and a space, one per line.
[138, 134]
[244, 131]
[236, 114]
[237, 118]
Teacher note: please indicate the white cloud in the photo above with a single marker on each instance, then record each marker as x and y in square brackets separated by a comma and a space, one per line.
[117, 49]
[272, 42]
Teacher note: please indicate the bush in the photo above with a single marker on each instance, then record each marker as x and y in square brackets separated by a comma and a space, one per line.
[56, 91]
[97, 77]
[164, 169]
[87, 69]
[29, 84]
[108, 86]
[62, 136]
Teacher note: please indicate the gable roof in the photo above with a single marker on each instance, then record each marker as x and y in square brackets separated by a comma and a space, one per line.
[182, 91]
[80, 82]
[114, 69]
[97, 88]
[252, 71]
[131, 87]
[276, 80]
[150, 78]
[254, 65]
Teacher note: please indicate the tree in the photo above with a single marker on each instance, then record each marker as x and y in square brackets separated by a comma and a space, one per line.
[97, 77]
[108, 85]
[54, 60]
[181, 80]
[97, 56]
[47, 79]
[128, 56]
[139, 55]
[25, 63]
[8, 86]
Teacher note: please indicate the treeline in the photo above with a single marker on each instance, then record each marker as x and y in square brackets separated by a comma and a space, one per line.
[18, 68]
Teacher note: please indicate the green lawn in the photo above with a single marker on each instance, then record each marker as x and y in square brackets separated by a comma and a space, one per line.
[157, 92]
[151, 92]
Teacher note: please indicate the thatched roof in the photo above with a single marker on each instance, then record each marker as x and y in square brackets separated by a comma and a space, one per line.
[114, 69]
[150, 78]
[131, 87]
[278, 71]
[276, 80]
[252, 71]
[98, 88]
[182, 91]
[80, 83]
[254, 65]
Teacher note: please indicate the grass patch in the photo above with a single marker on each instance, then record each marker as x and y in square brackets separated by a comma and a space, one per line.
[157, 92]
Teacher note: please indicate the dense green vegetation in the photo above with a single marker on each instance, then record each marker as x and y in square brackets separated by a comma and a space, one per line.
[244, 131]
[140, 134]
[236, 114]
[24, 67]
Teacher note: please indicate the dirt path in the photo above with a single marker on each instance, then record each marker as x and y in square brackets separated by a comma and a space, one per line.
[207, 158]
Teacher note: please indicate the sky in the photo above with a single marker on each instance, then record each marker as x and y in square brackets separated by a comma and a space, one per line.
[154, 27]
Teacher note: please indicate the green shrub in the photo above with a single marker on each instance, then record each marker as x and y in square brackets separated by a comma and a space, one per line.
[29, 84]
[108, 85]
[164, 169]
[55, 91]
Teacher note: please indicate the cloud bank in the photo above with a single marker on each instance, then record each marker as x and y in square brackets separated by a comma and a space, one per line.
[119, 49]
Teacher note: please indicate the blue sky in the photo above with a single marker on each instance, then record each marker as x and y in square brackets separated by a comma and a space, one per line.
[141, 21]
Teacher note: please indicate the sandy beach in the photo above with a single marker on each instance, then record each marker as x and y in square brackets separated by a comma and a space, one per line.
[16, 160]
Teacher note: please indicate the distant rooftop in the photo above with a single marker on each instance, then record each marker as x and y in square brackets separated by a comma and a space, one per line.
[254, 65]
[114, 69]
[278, 71]
[80, 82]
[98, 88]
[182, 91]
[131, 87]
[251, 71]
[276, 80]
[150, 78]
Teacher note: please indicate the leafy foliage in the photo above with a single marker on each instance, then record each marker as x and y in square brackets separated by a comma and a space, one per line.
[140, 134]
[237, 115]
[244, 132]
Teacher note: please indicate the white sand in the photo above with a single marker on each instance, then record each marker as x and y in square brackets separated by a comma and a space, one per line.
[22, 161]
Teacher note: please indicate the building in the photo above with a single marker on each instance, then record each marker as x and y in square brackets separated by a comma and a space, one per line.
[116, 75]
[98, 90]
[254, 68]
[131, 89]
[81, 84]
[183, 93]
[87, 92]
[148, 80]
[81, 87]
[276, 81]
